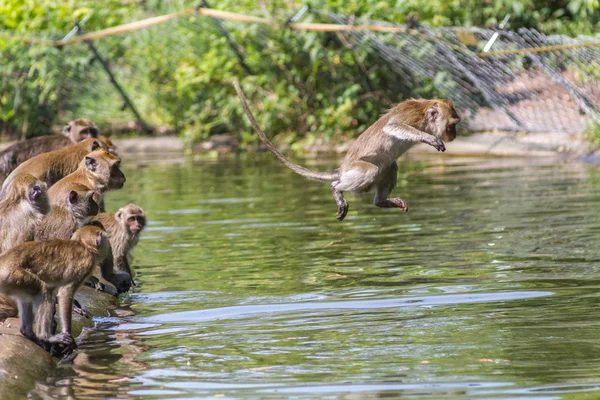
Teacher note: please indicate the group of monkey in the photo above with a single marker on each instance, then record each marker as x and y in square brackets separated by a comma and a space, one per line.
[52, 236]
[54, 233]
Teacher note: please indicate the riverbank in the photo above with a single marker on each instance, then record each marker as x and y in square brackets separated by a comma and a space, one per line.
[499, 143]
[502, 144]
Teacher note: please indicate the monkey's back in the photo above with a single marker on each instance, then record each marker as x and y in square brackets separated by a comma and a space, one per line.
[374, 145]
[51, 260]
[16, 154]
[52, 166]
[119, 242]
[59, 223]
[371, 143]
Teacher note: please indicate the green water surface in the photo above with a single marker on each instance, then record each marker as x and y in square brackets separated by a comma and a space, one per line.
[248, 287]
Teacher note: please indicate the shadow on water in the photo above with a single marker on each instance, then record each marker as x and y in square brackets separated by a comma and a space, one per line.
[249, 287]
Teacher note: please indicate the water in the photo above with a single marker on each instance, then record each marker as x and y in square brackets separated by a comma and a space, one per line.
[249, 288]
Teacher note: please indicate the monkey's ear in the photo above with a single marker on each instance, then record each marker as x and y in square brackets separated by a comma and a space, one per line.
[95, 145]
[99, 238]
[432, 114]
[73, 197]
[118, 215]
[67, 129]
[90, 163]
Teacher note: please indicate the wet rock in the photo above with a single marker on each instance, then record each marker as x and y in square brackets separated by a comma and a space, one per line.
[23, 363]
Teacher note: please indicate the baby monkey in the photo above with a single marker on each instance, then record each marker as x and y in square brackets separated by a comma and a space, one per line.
[370, 164]
[35, 272]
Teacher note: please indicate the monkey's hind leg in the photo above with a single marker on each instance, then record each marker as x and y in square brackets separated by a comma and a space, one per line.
[385, 187]
[342, 204]
[358, 178]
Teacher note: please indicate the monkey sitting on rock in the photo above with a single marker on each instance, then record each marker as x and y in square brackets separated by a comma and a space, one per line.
[370, 164]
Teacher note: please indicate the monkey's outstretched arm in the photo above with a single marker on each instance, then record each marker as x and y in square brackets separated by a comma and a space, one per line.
[408, 133]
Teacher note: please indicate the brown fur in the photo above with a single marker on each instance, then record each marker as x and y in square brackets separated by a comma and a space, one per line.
[80, 129]
[74, 132]
[69, 212]
[123, 229]
[370, 163]
[36, 272]
[19, 217]
[98, 171]
[110, 146]
[52, 166]
[19, 213]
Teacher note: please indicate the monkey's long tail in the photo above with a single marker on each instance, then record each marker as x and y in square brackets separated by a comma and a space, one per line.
[307, 173]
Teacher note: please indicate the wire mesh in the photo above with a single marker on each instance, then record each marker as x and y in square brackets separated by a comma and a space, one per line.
[557, 90]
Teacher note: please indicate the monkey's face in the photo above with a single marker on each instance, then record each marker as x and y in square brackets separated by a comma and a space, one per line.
[105, 169]
[135, 223]
[117, 178]
[132, 218]
[442, 120]
[81, 129]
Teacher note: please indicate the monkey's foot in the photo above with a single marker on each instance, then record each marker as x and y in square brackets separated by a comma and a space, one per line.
[394, 202]
[399, 203]
[342, 211]
[32, 336]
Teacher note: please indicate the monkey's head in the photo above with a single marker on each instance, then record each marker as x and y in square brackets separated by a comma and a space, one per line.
[132, 217]
[441, 119]
[104, 167]
[30, 190]
[81, 201]
[80, 129]
[94, 238]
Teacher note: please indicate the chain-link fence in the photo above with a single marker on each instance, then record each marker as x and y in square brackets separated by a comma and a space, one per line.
[555, 90]
[540, 83]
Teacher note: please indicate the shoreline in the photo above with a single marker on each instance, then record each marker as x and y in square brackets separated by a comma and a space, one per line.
[497, 144]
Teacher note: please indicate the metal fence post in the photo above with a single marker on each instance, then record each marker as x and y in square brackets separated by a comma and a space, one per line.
[141, 124]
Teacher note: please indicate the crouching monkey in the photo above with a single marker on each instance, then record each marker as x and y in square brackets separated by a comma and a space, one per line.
[35, 272]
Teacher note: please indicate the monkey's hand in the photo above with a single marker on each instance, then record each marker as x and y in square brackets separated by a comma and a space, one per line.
[435, 142]
[61, 345]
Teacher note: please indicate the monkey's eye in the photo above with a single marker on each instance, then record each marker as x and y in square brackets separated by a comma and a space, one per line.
[131, 219]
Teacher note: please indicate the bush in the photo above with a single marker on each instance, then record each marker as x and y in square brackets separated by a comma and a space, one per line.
[179, 74]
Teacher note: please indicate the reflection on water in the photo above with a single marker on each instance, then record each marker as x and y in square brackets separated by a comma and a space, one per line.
[249, 287]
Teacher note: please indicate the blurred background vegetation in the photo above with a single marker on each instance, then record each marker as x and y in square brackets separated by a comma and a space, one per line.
[304, 84]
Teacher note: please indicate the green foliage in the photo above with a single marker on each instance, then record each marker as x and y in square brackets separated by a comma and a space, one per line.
[592, 135]
[179, 73]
